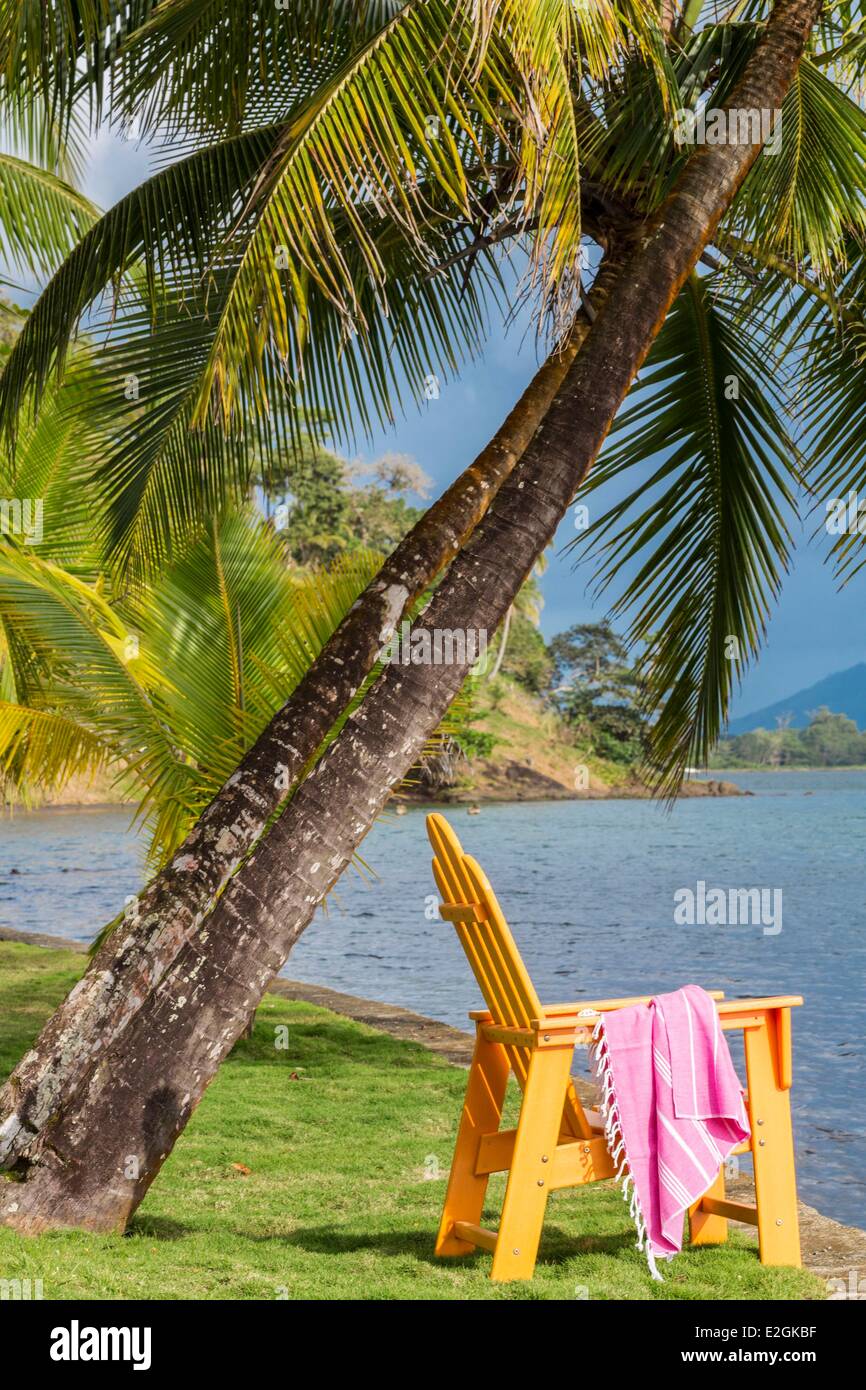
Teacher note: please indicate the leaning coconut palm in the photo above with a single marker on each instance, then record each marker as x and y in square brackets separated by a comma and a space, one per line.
[160, 476]
[659, 208]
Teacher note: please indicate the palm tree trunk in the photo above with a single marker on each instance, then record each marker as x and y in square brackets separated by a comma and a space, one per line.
[139, 951]
[503, 642]
[142, 1086]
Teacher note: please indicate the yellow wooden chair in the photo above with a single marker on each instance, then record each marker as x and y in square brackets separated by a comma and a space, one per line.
[557, 1143]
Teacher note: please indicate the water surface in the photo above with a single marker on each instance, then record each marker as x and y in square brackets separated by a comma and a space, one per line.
[589, 890]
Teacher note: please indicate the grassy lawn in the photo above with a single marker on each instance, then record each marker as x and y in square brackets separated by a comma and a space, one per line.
[304, 1174]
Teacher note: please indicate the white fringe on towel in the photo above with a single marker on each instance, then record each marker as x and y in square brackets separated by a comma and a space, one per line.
[616, 1144]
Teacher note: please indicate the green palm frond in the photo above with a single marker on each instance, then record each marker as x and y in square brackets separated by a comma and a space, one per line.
[307, 193]
[627, 131]
[413, 131]
[57, 452]
[166, 224]
[841, 46]
[171, 686]
[701, 542]
[158, 481]
[42, 217]
[829, 342]
[818, 337]
[26, 131]
[214, 621]
[49, 54]
[39, 748]
[72, 654]
[800, 201]
[159, 477]
[405, 111]
[803, 201]
[166, 348]
[201, 68]
[836, 384]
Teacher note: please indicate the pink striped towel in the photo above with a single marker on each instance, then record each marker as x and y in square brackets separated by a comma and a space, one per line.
[673, 1109]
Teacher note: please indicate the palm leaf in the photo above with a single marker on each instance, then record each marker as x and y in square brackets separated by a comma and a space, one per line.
[167, 224]
[209, 68]
[405, 110]
[818, 337]
[701, 541]
[828, 340]
[42, 217]
[72, 654]
[56, 454]
[39, 748]
[50, 53]
[288, 214]
[805, 200]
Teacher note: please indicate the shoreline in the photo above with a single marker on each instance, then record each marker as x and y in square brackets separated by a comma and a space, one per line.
[518, 783]
[525, 785]
[791, 767]
[831, 1250]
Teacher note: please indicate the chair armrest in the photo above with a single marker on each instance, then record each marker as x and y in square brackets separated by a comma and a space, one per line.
[601, 1006]
[773, 1001]
[753, 1013]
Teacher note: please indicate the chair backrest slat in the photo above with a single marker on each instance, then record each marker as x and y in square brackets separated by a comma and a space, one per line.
[492, 953]
[520, 987]
[450, 876]
[489, 945]
[474, 951]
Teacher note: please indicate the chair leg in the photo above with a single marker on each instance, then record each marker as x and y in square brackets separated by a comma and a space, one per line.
[703, 1228]
[772, 1146]
[482, 1111]
[528, 1180]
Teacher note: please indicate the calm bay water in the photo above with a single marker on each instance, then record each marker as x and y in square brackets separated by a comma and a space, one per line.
[589, 890]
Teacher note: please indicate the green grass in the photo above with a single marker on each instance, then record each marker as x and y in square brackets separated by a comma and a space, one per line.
[337, 1131]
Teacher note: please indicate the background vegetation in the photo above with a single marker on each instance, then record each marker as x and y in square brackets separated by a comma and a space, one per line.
[829, 740]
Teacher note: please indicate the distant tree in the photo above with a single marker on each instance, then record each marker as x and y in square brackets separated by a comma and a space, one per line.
[590, 657]
[833, 740]
[618, 733]
[829, 740]
[317, 525]
[317, 500]
[527, 658]
[378, 518]
[756, 746]
[590, 654]
[401, 473]
[302, 494]
[597, 690]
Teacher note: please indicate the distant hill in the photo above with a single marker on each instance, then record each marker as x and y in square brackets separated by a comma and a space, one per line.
[843, 693]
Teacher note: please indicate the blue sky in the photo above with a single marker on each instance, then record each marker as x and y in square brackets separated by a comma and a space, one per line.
[815, 630]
